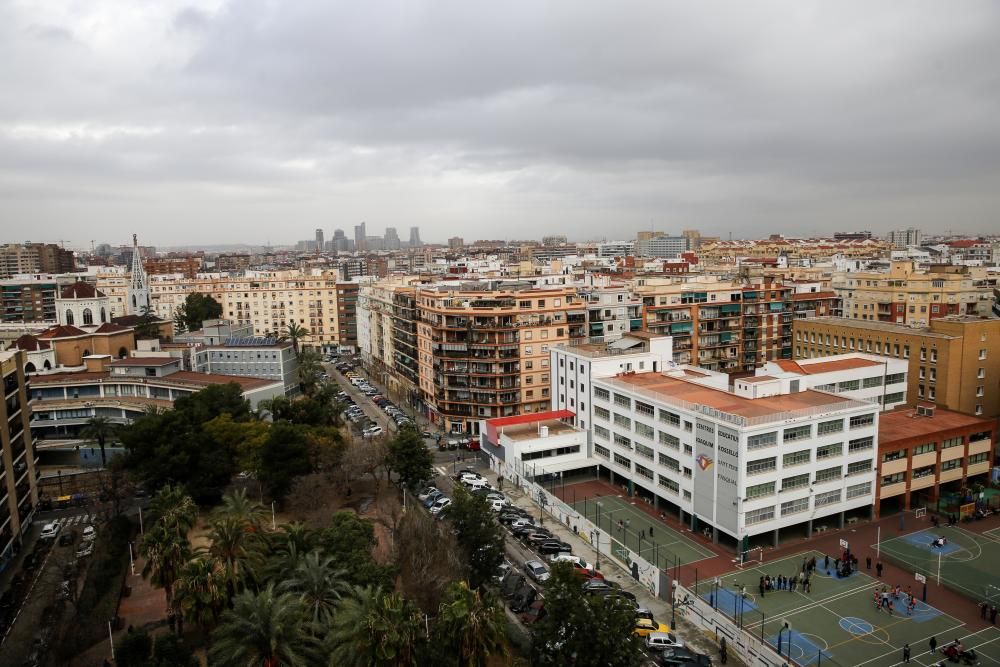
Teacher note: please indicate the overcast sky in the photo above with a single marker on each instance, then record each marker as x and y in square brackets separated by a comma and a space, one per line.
[261, 120]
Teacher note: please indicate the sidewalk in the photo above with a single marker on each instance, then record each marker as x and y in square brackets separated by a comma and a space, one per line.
[612, 571]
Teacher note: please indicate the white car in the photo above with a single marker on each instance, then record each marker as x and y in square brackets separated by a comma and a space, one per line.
[50, 531]
[442, 503]
[496, 505]
[663, 639]
[89, 534]
[536, 571]
[426, 493]
[85, 549]
[372, 431]
[576, 561]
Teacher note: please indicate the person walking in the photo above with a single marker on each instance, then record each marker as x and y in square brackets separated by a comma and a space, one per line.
[933, 644]
[878, 569]
[762, 586]
[993, 614]
[983, 608]
[868, 563]
[906, 652]
[723, 653]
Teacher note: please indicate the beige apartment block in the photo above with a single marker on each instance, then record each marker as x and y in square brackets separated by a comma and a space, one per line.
[954, 362]
[906, 294]
[18, 479]
[485, 354]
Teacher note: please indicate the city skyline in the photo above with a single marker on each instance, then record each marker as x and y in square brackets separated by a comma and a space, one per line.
[179, 122]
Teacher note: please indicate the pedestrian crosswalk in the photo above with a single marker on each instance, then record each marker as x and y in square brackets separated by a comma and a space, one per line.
[441, 470]
[67, 521]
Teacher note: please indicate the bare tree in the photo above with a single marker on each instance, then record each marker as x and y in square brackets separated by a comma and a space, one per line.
[364, 457]
[429, 559]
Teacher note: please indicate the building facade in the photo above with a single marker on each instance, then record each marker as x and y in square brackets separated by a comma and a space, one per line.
[18, 476]
[953, 362]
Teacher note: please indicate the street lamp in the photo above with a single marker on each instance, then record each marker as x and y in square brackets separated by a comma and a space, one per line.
[597, 548]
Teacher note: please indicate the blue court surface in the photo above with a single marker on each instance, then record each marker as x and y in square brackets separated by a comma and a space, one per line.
[924, 540]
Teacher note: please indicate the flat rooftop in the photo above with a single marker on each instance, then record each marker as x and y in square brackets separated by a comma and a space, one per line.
[530, 431]
[180, 378]
[774, 407]
[905, 423]
[814, 367]
[873, 325]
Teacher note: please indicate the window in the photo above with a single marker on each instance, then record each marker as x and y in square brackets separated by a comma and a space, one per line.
[858, 490]
[643, 450]
[982, 353]
[828, 498]
[644, 408]
[623, 421]
[797, 433]
[906, 351]
[644, 472]
[951, 442]
[794, 506]
[669, 462]
[925, 449]
[849, 385]
[644, 430]
[622, 461]
[894, 479]
[670, 418]
[603, 432]
[868, 383]
[894, 456]
[622, 441]
[829, 451]
[859, 467]
[979, 458]
[861, 444]
[669, 484]
[602, 413]
[757, 516]
[796, 458]
[951, 465]
[623, 401]
[669, 440]
[925, 471]
[603, 451]
[832, 426]
[895, 378]
[795, 482]
[761, 465]
[760, 490]
[601, 393]
[827, 474]
[895, 397]
[762, 440]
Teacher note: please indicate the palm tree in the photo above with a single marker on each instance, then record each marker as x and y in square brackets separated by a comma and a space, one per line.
[174, 509]
[470, 626]
[238, 506]
[266, 629]
[318, 582]
[295, 333]
[99, 429]
[165, 552]
[373, 627]
[200, 593]
[234, 552]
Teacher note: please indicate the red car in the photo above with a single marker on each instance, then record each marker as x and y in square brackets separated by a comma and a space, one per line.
[534, 612]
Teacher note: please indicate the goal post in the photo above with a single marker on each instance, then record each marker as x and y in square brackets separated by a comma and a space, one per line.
[750, 558]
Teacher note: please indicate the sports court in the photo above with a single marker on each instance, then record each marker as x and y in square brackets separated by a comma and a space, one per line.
[632, 528]
[968, 561]
[837, 622]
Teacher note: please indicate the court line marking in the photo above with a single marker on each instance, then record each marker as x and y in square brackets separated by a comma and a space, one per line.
[922, 640]
[624, 506]
[925, 653]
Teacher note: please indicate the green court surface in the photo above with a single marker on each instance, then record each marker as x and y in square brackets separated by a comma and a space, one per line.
[968, 561]
[837, 622]
[630, 527]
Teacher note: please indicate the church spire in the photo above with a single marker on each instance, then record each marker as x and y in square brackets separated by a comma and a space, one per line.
[138, 287]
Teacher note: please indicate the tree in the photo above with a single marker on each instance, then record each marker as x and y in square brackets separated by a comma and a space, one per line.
[588, 631]
[173, 510]
[470, 627]
[479, 534]
[350, 540]
[410, 459]
[165, 552]
[295, 333]
[429, 559]
[200, 592]
[133, 649]
[364, 457]
[197, 308]
[147, 325]
[374, 627]
[235, 552]
[310, 368]
[168, 651]
[267, 629]
[180, 320]
[99, 429]
[243, 510]
[319, 583]
[284, 457]
[245, 439]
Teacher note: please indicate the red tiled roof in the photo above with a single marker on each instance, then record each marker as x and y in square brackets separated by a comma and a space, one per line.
[29, 343]
[145, 361]
[837, 365]
[108, 327]
[81, 290]
[531, 418]
[62, 331]
[790, 366]
[805, 296]
[904, 423]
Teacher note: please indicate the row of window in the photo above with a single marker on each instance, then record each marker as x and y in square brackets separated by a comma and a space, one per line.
[770, 464]
[802, 504]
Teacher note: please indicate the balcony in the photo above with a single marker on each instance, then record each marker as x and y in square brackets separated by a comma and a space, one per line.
[894, 489]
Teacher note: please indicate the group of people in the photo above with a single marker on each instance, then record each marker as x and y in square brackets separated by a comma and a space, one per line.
[799, 581]
[887, 598]
[939, 541]
[844, 566]
[987, 609]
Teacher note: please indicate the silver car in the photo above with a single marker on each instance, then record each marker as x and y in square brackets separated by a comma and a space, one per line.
[536, 570]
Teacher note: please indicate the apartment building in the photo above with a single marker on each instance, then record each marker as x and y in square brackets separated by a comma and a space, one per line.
[268, 301]
[484, 347]
[953, 362]
[863, 377]
[28, 300]
[16, 259]
[740, 466]
[123, 390]
[610, 311]
[926, 451]
[18, 477]
[906, 294]
[720, 325]
[387, 337]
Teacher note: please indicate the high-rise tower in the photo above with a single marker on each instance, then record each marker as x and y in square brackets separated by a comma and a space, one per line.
[138, 286]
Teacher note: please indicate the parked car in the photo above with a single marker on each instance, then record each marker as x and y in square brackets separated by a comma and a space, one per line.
[432, 498]
[85, 549]
[49, 532]
[372, 431]
[575, 561]
[512, 581]
[540, 535]
[496, 505]
[67, 538]
[646, 625]
[536, 570]
[423, 495]
[89, 534]
[662, 639]
[677, 656]
[440, 504]
[502, 572]
[550, 547]
[522, 599]
[534, 613]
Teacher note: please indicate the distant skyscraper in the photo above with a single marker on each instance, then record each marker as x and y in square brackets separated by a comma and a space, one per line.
[340, 242]
[456, 243]
[901, 238]
[319, 240]
[391, 239]
[360, 236]
[415, 241]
